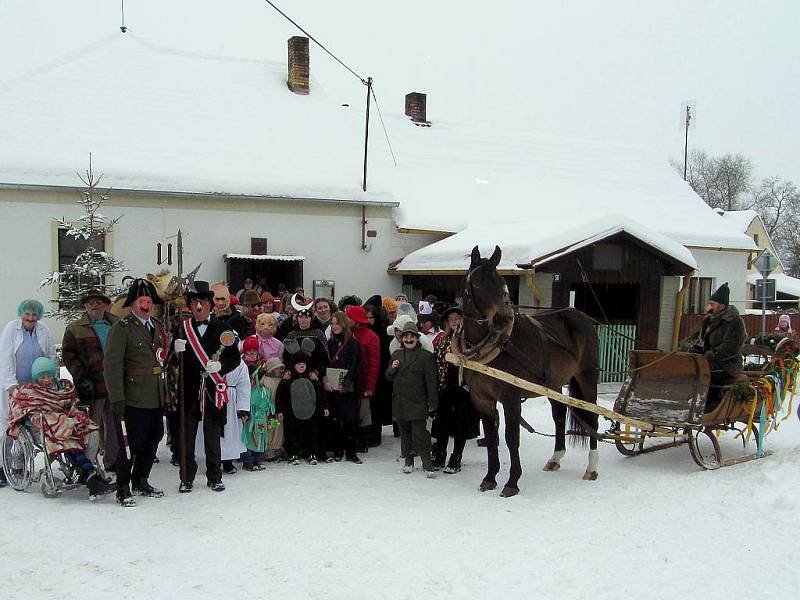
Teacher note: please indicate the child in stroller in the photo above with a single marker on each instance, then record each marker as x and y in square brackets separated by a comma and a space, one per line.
[50, 407]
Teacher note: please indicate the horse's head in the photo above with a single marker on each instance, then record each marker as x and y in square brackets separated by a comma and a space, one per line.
[485, 291]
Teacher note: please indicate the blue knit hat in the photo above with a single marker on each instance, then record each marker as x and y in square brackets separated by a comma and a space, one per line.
[43, 366]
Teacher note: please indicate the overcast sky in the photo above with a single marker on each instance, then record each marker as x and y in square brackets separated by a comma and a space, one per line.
[610, 70]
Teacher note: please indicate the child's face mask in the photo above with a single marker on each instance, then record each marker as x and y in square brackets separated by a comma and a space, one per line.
[300, 368]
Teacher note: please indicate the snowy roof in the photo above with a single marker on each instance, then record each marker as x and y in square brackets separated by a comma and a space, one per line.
[536, 243]
[284, 257]
[783, 283]
[157, 118]
[740, 219]
[161, 116]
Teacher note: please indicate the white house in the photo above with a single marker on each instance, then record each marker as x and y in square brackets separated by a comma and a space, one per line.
[259, 174]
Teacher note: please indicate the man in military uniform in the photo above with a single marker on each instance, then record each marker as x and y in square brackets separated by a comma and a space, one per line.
[134, 360]
[205, 365]
[82, 354]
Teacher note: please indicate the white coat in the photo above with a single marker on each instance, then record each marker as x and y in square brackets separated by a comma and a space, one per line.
[10, 341]
[231, 443]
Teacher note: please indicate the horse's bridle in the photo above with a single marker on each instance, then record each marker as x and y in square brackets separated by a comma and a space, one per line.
[469, 299]
[488, 348]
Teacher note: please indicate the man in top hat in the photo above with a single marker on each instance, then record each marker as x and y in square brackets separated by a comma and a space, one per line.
[82, 355]
[134, 356]
[721, 339]
[205, 365]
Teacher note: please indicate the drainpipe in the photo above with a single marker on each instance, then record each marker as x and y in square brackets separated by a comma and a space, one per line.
[676, 326]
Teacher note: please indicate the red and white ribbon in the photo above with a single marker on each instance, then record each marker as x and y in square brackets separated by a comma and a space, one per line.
[221, 387]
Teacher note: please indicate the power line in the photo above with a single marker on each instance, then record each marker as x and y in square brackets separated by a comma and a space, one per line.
[385, 132]
[317, 42]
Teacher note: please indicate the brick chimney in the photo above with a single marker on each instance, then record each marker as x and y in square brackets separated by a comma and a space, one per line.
[415, 107]
[298, 64]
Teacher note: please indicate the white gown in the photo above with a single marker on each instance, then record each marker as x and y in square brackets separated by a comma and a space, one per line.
[231, 443]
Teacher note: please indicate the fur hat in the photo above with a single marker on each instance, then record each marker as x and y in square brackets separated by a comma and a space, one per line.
[398, 324]
[143, 287]
[722, 295]
[251, 298]
[357, 314]
[201, 291]
[43, 366]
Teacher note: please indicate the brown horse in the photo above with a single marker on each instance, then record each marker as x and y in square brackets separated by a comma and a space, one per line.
[553, 349]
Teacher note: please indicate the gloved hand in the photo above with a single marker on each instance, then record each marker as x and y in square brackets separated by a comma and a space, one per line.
[213, 366]
[431, 413]
[180, 346]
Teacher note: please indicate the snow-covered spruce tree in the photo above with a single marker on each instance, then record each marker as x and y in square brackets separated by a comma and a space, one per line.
[92, 269]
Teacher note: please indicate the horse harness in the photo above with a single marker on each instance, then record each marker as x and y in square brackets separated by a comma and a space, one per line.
[499, 340]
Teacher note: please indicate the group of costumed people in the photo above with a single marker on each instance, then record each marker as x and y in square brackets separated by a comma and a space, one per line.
[317, 382]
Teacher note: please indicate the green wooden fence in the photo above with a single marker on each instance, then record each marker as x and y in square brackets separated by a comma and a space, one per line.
[616, 341]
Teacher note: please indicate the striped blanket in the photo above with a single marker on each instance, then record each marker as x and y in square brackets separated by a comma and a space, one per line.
[54, 412]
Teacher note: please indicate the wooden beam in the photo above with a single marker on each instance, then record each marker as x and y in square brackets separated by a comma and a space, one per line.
[545, 391]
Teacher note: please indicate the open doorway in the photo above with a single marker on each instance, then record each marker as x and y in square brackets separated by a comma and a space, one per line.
[611, 302]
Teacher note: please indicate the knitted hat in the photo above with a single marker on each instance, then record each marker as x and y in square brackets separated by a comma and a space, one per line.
[250, 343]
[357, 314]
[43, 366]
[722, 295]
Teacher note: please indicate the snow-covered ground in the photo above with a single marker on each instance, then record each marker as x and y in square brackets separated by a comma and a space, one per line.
[654, 526]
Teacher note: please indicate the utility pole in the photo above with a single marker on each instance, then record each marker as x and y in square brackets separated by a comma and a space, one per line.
[686, 139]
[366, 132]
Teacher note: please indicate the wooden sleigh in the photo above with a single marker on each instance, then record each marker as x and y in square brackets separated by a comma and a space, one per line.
[661, 405]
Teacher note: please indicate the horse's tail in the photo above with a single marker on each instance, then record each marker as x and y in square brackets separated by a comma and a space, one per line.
[582, 423]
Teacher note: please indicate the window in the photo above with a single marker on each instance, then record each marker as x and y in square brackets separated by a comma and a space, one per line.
[69, 248]
[698, 295]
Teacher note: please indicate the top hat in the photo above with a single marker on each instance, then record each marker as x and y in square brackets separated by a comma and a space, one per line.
[201, 291]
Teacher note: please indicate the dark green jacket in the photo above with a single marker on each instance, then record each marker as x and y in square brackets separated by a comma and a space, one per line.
[415, 392]
[82, 354]
[131, 367]
[722, 337]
